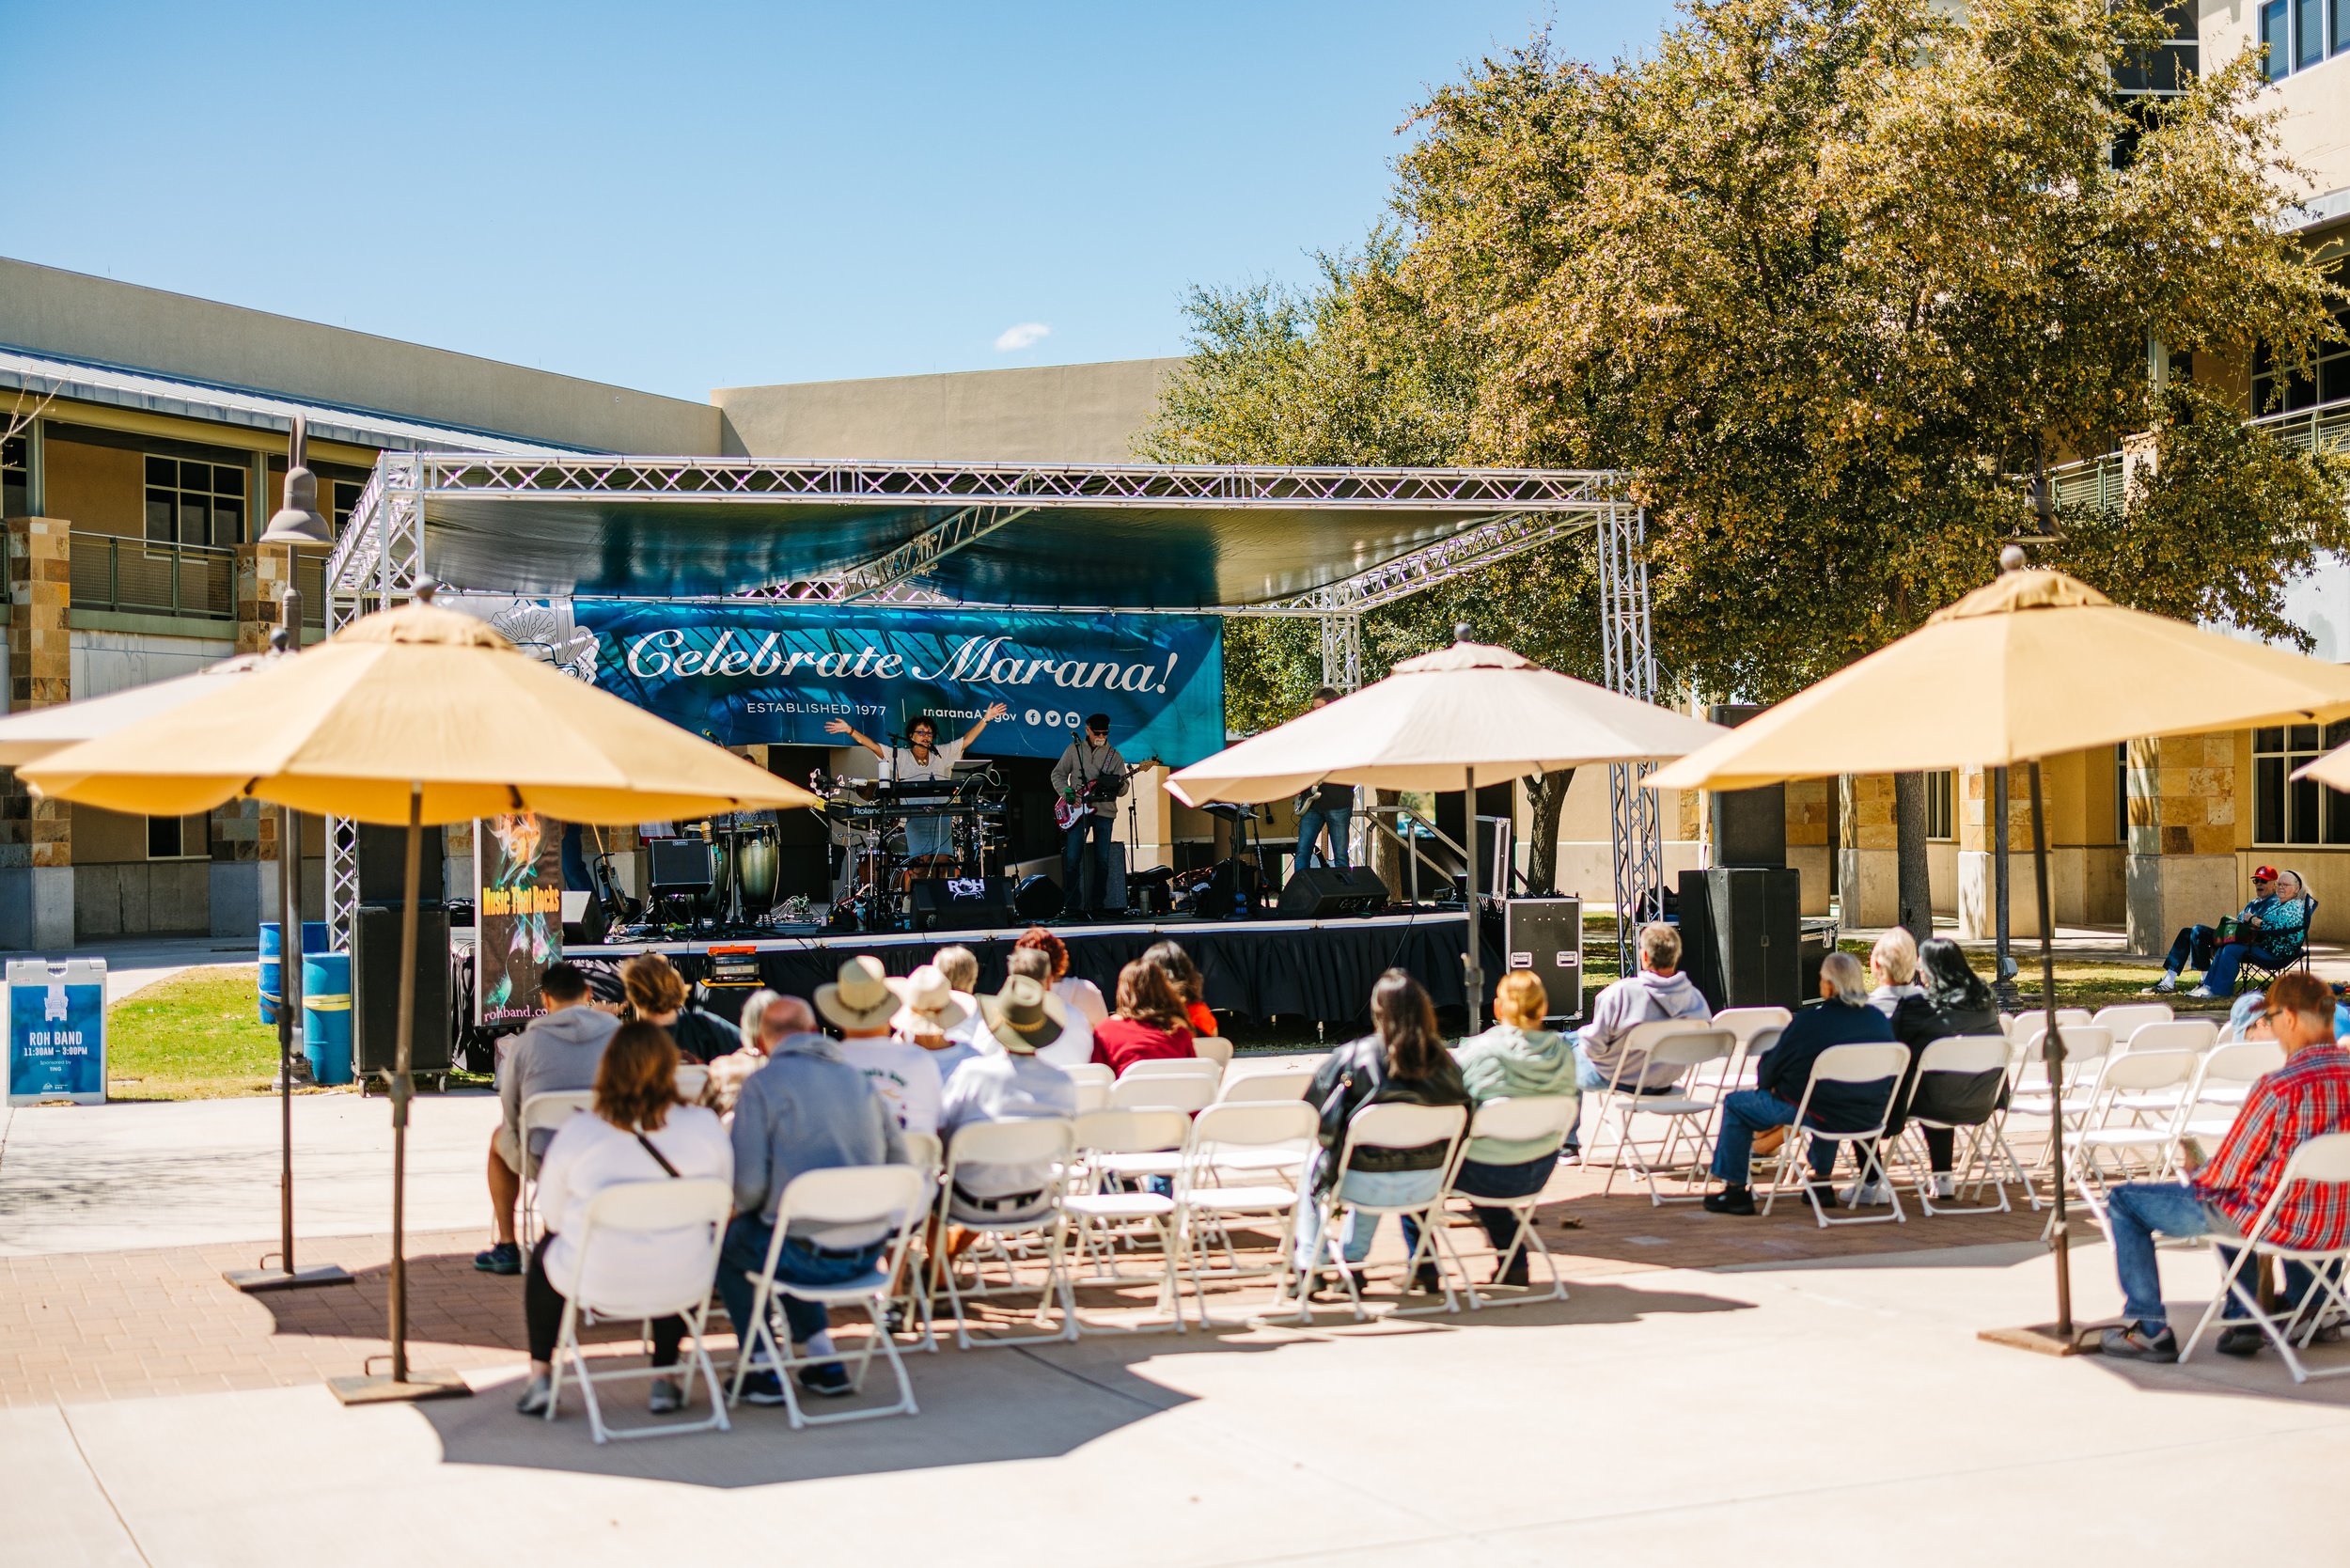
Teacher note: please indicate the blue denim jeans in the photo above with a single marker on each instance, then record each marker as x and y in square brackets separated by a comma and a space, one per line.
[2219, 976]
[745, 1253]
[1361, 1186]
[1479, 1180]
[1075, 862]
[1311, 822]
[1747, 1113]
[2138, 1211]
[1590, 1079]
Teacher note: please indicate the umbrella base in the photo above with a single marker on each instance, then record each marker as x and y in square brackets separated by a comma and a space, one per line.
[382, 1389]
[254, 1280]
[2045, 1338]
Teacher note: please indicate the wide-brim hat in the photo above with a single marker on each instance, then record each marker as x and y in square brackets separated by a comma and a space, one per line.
[860, 998]
[1023, 1015]
[928, 999]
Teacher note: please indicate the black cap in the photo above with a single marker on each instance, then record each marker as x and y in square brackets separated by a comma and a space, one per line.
[1097, 721]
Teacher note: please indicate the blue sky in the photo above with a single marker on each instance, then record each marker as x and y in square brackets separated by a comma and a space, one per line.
[686, 195]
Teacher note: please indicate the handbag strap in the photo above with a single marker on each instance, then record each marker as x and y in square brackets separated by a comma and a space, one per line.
[659, 1158]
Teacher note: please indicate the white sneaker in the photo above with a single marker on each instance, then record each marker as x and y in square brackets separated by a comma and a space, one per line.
[1944, 1186]
[2203, 994]
[2164, 986]
[667, 1397]
[1868, 1194]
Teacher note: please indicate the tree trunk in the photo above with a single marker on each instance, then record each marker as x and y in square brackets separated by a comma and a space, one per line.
[1915, 895]
[1541, 854]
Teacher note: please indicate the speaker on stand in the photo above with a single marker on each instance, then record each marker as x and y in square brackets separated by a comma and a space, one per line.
[375, 992]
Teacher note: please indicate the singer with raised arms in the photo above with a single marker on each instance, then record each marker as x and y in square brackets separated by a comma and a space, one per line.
[929, 841]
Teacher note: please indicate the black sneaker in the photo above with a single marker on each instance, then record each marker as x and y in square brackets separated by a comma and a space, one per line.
[504, 1258]
[1730, 1200]
[1425, 1280]
[1515, 1275]
[2131, 1342]
[1823, 1194]
[2241, 1339]
[763, 1387]
[828, 1378]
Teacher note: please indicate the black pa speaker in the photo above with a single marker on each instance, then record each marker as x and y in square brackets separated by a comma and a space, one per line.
[1741, 935]
[382, 856]
[375, 991]
[962, 904]
[1321, 892]
[1037, 898]
[1749, 827]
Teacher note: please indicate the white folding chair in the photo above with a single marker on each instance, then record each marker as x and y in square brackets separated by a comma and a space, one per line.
[2117, 1144]
[1091, 1072]
[644, 1209]
[840, 1197]
[2323, 1160]
[2230, 1070]
[1215, 1048]
[1180, 1092]
[1393, 1124]
[2085, 1048]
[692, 1079]
[1756, 1029]
[925, 1153]
[1677, 1050]
[2126, 1018]
[1043, 1144]
[543, 1113]
[1984, 1157]
[1536, 1119]
[2199, 1035]
[1103, 1216]
[1843, 1064]
[2068, 1017]
[1173, 1067]
[1255, 1082]
[1266, 1137]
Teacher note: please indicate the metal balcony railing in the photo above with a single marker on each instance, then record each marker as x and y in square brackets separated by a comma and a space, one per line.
[142, 576]
[2096, 482]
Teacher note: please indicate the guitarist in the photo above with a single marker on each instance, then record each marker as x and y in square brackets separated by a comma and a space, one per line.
[1322, 806]
[1086, 777]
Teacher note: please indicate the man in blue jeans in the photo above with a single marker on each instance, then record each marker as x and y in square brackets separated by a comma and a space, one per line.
[1089, 762]
[2306, 1098]
[806, 1109]
[1324, 809]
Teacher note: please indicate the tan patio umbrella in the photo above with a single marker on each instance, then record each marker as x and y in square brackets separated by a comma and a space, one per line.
[415, 715]
[2032, 664]
[1454, 719]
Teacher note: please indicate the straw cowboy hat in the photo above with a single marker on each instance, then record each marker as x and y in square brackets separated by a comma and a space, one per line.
[929, 1002]
[1023, 1015]
[860, 998]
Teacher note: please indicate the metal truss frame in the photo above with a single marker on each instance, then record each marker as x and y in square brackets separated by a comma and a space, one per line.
[1628, 659]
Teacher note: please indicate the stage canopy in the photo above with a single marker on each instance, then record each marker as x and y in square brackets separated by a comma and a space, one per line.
[1236, 539]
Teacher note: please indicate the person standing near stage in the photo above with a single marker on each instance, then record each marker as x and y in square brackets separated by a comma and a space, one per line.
[929, 839]
[1324, 807]
[1088, 759]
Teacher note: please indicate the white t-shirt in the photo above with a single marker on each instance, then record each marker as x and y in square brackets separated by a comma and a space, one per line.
[903, 1075]
[1084, 996]
[588, 1155]
[941, 765]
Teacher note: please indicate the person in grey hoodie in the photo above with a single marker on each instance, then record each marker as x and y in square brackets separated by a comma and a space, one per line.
[1659, 992]
[557, 1052]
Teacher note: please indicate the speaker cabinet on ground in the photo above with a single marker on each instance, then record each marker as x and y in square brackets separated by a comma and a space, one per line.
[1544, 937]
[1741, 935]
[1323, 892]
[962, 904]
[375, 991]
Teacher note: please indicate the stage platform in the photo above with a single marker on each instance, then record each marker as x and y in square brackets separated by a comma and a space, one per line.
[1318, 970]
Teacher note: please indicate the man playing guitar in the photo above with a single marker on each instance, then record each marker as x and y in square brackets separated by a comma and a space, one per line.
[1322, 806]
[1087, 779]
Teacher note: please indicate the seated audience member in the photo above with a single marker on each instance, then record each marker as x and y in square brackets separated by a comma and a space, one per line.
[767, 1017]
[1963, 1005]
[929, 1016]
[860, 1003]
[1183, 975]
[1515, 1059]
[1843, 1016]
[2271, 925]
[1075, 1043]
[808, 1109]
[556, 1052]
[960, 966]
[638, 1133]
[1008, 1084]
[2307, 1097]
[1402, 1059]
[1895, 992]
[658, 994]
[1149, 1023]
[1081, 997]
[1659, 991]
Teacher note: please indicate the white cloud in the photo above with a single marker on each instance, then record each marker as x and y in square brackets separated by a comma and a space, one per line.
[1025, 336]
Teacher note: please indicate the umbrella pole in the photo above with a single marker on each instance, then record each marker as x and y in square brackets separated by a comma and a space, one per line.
[401, 1383]
[1473, 959]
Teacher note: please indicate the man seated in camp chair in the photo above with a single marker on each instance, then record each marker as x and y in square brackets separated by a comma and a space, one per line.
[2269, 930]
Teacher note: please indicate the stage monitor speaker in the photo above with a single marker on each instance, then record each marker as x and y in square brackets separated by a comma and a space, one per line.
[585, 919]
[1323, 892]
[962, 904]
[375, 991]
[1544, 937]
[1036, 898]
[1741, 935]
[383, 865]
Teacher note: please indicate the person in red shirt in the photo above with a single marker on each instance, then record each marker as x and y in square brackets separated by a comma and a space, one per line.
[1170, 960]
[2308, 1096]
[1149, 1023]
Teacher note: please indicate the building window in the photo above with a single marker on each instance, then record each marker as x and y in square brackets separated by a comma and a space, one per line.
[2286, 810]
[1941, 791]
[189, 502]
[2295, 35]
[2279, 389]
[16, 487]
[179, 838]
[344, 496]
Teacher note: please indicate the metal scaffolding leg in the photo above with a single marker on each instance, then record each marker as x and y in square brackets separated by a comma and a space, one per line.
[1342, 653]
[1629, 664]
[379, 565]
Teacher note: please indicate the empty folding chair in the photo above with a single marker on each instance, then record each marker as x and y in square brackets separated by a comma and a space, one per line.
[925, 1153]
[1950, 1071]
[543, 1113]
[1101, 1213]
[888, 1199]
[1266, 1139]
[1389, 1124]
[1540, 1122]
[2197, 1035]
[2230, 1070]
[634, 1213]
[1263, 1082]
[2323, 1160]
[1670, 1056]
[2086, 1047]
[2126, 1018]
[1843, 1064]
[1186, 1091]
[1756, 1030]
[2117, 1144]
[1040, 1150]
[1215, 1048]
[1173, 1067]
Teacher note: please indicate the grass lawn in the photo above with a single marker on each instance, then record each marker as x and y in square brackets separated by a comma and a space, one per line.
[196, 1036]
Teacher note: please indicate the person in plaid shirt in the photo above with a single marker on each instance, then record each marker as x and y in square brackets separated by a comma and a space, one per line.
[2308, 1095]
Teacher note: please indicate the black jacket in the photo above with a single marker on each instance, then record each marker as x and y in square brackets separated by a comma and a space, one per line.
[1964, 1099]
[1786, 1068]
[700, 1037]
[1357, 1072]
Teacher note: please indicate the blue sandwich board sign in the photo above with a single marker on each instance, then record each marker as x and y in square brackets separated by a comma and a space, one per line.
[57, 1031]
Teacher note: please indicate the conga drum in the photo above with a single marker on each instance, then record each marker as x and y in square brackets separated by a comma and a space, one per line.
[758, 865]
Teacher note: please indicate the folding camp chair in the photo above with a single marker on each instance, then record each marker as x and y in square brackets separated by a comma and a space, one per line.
[2323, 1160]
[1843, 1064]
[2263, 967]
[640, 1209]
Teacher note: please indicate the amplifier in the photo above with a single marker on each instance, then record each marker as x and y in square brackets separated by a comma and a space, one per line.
[1321, 892]
[375, 991]
[679, 866]
[1544, 937]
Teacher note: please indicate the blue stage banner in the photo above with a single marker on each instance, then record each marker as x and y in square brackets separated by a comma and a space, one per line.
[774, 675]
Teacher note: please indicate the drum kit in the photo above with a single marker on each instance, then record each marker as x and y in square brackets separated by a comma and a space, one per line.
[875, 868]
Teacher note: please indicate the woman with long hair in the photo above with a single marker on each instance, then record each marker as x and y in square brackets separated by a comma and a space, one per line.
[1961, 1004]
[1183, 975]
[638, 1133]
[1403, 1060]
[1149, 1023]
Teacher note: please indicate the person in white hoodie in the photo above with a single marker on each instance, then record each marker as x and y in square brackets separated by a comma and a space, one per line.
[1659, 991]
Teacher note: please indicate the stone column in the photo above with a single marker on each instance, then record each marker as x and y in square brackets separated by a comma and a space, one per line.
[36, 836]
[1978, 885]
[2182, 849]
[1867, 869]
[1808, 807]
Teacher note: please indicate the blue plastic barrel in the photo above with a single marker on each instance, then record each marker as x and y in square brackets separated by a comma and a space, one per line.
[314, 940]
[326, 1016]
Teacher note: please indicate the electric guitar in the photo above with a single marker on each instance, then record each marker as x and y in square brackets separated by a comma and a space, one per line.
[1071, 808]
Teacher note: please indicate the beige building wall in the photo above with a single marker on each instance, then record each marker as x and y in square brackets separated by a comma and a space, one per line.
[1045, 413]
[2316, 102]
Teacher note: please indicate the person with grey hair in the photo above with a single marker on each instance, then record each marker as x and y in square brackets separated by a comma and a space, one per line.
[1842, 1016]
[769, 1017]
[1659, 991]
